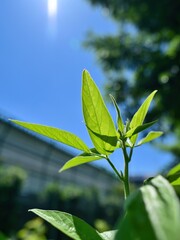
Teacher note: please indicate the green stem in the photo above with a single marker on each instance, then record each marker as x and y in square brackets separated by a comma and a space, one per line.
[130, 154]
[126, 179]
[126, 169]
[115, 170]
[123, 177]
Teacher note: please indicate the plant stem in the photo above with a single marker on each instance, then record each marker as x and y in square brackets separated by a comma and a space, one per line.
[115, 170]
[130, 154]
[126, 179]
[126, 169]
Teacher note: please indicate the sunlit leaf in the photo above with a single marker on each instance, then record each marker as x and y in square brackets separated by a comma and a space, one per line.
[150, 136]
[119, 118]
[97, 117]
[112, 140]
[139, 129]
[56, 134]
[140, 115]
[70, 225]
[173, 175]
[152, 212]
[81, 159]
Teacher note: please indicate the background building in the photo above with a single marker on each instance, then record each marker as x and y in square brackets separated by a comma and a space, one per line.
[42, 159]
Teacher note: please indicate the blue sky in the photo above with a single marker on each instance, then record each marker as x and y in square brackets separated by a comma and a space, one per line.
[41, 63]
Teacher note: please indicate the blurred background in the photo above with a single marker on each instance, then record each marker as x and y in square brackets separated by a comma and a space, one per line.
[130, 48]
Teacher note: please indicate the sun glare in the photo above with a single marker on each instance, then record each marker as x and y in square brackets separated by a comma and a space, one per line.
[52, 8]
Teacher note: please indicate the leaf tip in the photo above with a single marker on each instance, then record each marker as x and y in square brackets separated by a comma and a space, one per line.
[85, 71]
[154, 92]
[12, 120]
[61, 170]
[31, 210]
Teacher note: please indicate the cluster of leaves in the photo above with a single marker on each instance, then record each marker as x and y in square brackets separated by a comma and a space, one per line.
[100, 126]
[151, 212]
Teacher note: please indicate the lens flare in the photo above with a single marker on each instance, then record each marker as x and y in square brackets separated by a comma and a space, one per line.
[52, 8]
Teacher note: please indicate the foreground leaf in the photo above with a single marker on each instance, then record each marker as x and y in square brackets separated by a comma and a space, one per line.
[173, 175]
[140, 115]
[97, 117]
[70, 225]
[59, 135]
[150, 136]
[81, 159]
[153, 212]
[108, 235]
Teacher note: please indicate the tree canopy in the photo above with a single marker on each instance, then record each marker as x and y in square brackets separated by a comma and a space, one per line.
[144, 55]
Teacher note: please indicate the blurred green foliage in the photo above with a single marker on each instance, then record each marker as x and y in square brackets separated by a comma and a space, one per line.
[32, 230]
[143, 55]
[11, 180]
[85, 203]
[98, 210]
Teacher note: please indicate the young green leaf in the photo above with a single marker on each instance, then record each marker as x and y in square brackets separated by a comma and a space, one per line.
[139, 129]
[173, 175]
[140, 115]
[70, 225]
[97, 117]
[152, 212]
[119, 118]
[56, 134]
[150, 136]
[81, 159]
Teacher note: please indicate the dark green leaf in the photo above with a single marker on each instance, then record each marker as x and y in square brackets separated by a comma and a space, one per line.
[70, 225]
[152, 212]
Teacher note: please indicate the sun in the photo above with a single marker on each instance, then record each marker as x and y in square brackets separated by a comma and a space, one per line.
[52, 8]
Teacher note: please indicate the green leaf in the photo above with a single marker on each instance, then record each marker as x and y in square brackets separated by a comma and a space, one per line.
[140, 115]
[150, 136]
[139, 129]
[56, 134]
[108, 139]
[81, 159]
[173, 175]
[70, 225]
[97, 117]
[119, 118]
[108, 235]
[152, 212]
